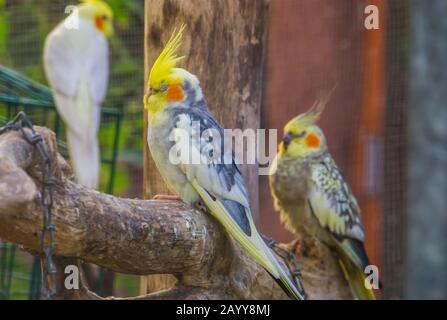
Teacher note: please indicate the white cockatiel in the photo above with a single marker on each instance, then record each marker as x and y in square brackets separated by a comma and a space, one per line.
[76, 61]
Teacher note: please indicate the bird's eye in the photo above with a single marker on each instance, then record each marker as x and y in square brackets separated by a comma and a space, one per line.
[105, 18]
[163, 87]
[301, 134]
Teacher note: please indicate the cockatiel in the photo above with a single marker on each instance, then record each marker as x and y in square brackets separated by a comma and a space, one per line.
[314, 199]
[76, 62]
[179, 116]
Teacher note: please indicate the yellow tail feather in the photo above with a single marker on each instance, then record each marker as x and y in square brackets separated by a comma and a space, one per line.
[253, 244]
[356, 279]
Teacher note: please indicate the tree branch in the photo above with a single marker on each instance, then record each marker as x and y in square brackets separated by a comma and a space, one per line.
[126, 235]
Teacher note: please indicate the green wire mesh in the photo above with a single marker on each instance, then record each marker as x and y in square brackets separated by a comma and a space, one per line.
[18, 93]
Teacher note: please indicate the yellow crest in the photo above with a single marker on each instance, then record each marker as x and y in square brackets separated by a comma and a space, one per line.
[313, 114]
[99, 5]
[168, 59]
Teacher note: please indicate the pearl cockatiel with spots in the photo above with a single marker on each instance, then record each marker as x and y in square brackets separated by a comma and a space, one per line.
[76, 61]
[314, 199]
[178, 118]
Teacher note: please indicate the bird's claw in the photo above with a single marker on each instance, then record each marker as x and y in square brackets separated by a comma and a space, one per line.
[289, 259]
[200, 206]
[297, 272]
[270, 242]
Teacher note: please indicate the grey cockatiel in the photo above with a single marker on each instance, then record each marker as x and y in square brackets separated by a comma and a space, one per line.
[179, 117]
[314, 199]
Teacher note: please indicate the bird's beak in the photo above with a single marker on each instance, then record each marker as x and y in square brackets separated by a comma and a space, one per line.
[287, 139]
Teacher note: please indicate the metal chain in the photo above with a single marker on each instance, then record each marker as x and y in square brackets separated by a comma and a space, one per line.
[47, 244]
[289, 259]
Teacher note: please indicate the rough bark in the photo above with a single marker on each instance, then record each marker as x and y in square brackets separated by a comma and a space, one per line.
[138, 236]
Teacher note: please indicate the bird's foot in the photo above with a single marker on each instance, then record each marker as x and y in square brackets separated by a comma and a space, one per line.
[167, 197]
[284, 253]
[199, 205]
[278, 248]
[270, 242]
[289, 259]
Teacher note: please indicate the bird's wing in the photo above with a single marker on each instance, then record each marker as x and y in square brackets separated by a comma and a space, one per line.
[98, 70]
[215, 172]
[98, 76]
[336, 209]
[219, 182]
[62, 62]
[332, 201]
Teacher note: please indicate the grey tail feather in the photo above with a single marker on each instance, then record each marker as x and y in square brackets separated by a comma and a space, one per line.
[359, 249]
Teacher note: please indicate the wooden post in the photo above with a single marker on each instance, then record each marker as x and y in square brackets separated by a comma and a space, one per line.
[223, 46]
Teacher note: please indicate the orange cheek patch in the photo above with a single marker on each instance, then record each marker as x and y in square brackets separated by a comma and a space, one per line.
[312, 141]
[99, 23]
[175, 93]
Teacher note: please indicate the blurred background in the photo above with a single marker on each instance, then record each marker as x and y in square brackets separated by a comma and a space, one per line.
[386, 124]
